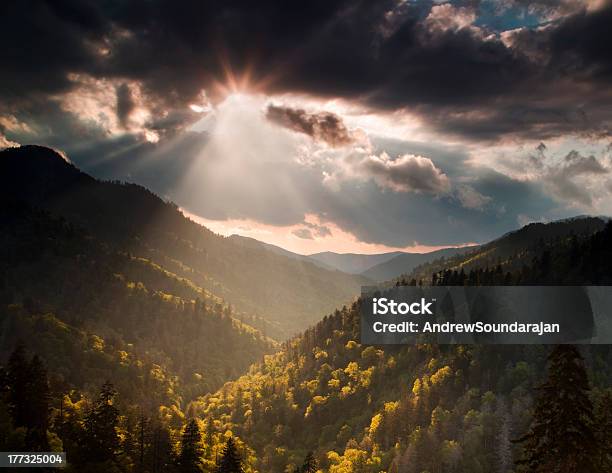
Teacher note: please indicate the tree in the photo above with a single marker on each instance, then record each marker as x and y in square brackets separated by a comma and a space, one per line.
[190, 457]
[561, 437]
[603, 412]
[160, 457]
[209, 431]
[101, 441]
[230, 461]
[38, 407]
[18, 377]
[28, 398]
[309, 465]
[504, 447]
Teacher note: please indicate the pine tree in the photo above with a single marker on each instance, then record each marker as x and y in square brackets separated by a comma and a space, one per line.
[561, 438]
[160, 458]
[603, 432]
[504, 447]
[101, 441]
[230, 461]
[18, 377]
[38, 407]
[309, 465]
[28, 398]
[190, 457]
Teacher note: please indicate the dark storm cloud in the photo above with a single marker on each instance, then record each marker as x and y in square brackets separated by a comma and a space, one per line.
[320, 126]
[158, 56]
[42, 42]
[125, 104]
[466, 80]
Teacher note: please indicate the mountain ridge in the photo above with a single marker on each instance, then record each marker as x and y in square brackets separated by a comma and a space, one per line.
[405, 262]
[353, 263]
[513, 249]
[285, 294]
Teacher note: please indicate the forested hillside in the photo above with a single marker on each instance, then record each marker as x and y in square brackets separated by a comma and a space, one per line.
[516, 250]
[423, 408]
[285, 295]
[406, 262]
[119, 336]
[94, 313]
[357, 408]
[76, 312]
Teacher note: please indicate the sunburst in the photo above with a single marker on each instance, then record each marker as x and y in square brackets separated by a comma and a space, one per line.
[245, 80]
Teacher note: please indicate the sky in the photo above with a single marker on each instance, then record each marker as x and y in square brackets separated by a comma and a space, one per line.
[348, 126]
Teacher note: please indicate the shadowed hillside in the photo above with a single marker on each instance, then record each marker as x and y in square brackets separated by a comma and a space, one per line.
[284, 294]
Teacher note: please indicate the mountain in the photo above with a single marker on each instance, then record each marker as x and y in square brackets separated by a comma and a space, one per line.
[377, 267]
[406, 262]
[95, 313]
[137, 354]
[414, 408]
[352, 263]
[513, 250]
[254, 243]
[282, 294]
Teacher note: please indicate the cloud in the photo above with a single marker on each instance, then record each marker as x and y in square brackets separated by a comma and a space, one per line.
[125, 104]
[467, 79]
[120, 79]
[319, 230]
[113, 107]
[310, 230]
[324, 127]
[6, 143]
[447, 17]
[470, 198]
[303, 233]
[574, 179]
[406, 173]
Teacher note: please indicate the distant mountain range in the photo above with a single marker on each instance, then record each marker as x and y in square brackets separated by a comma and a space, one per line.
[249, 242]
[353, 263]
[375, 267]
[406, 262]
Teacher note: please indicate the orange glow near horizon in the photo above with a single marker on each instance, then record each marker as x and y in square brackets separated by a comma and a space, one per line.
[340, 241]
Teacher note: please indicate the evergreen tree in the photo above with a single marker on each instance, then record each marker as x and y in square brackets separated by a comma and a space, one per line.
[190, 457]
[38, 398]
[28, 398]
[230, 461]
[309, 465]
[101, 441]
[504, 447]
[603, 432]
[561, 438]
[160, 457]
[18, 377]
